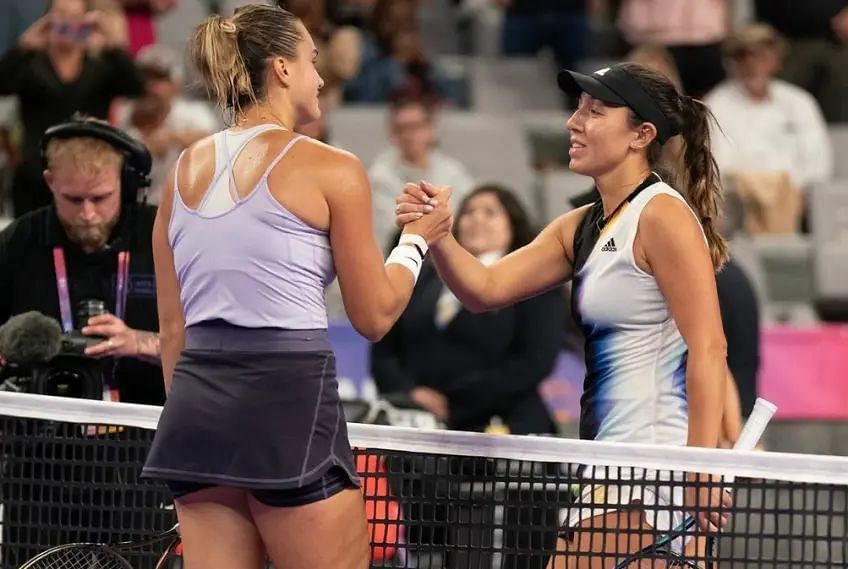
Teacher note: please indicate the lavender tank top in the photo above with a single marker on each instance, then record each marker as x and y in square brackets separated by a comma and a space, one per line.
[248, 261]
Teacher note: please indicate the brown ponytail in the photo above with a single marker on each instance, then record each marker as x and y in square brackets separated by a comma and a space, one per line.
[231, 54]
[700, 176]
[692, 169]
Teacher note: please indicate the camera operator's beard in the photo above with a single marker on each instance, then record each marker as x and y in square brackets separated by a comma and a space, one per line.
[90, 236]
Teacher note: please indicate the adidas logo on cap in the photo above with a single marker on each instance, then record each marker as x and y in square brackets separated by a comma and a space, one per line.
[610, 246]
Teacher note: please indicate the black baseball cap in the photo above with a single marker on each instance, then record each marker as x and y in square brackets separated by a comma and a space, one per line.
[616, 86]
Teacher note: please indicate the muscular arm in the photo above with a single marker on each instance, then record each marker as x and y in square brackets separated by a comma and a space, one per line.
[374, 295]
[171, 322]
[536, 267]
[671, 245]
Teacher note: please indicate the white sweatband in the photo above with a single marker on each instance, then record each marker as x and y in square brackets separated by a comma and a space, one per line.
[408, 256]
[416, 241]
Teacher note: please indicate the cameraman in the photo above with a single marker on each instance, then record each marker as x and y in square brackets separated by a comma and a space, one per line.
[97, 235]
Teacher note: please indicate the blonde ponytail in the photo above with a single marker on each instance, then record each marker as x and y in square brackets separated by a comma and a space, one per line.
[216, 55]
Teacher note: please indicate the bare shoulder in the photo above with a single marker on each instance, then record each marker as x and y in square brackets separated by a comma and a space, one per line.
[336, 170]
[199, 148]
[665, 214]
[571, 219]
[197, 162]
[565, 226]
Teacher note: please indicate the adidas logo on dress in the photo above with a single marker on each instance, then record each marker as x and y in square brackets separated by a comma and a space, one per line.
[610, 246]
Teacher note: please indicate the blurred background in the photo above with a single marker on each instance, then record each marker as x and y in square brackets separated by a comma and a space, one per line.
[463, 92]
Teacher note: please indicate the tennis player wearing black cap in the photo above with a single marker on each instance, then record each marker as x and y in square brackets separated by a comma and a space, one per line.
[643, 261]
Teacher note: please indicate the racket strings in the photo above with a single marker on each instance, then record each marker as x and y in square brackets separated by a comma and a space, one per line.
[79, 557]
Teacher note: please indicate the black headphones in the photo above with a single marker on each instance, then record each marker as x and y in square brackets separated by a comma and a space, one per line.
[135, 172]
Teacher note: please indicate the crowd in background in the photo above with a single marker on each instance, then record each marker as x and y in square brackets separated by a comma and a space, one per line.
[774, 73]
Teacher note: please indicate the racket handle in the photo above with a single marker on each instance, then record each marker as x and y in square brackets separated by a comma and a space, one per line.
[754, 428]
[756, 425]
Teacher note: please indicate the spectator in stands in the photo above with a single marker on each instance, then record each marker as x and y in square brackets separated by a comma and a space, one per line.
[531, 25]
[350, 12]
[15, 18]
[413, 157]
[658, 58]
[141, 20]
[818, 58]
[467, 368]
[71, 60]
[767, 124]
[393, 59]
[692, 30]
[339, 47]
[162, 119]
[92, 221]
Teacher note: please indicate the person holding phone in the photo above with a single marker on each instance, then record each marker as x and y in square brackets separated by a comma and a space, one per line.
[73, 59]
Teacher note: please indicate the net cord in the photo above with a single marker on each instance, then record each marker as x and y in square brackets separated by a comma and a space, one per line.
[792, 467]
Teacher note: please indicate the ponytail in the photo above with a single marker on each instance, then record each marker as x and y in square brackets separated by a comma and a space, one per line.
[689, 165]
[699, 175]
[216, 55]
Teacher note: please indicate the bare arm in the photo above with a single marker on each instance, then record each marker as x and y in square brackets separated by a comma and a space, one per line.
[671, 243]
[536, 267]
[171, 320]
[374, 294]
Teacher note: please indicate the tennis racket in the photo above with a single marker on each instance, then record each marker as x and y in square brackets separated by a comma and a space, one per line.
[102, 555]
[661, 551]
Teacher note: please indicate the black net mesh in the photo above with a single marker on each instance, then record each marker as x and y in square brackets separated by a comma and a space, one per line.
[64, 482]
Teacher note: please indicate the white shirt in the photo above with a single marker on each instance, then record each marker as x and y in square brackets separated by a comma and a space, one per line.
[635, 387]
[389, 173]
[785, 132]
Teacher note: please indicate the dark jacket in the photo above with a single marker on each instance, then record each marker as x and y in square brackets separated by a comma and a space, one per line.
[28, 282]
[486, 364]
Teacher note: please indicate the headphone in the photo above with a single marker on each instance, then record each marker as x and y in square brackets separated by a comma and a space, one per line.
[135, 171]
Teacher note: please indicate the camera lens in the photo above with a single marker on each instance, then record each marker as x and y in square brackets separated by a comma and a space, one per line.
[87, 309]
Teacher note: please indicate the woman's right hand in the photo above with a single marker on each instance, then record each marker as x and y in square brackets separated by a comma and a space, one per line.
[708, 502]
[35, 38]
[432, 220]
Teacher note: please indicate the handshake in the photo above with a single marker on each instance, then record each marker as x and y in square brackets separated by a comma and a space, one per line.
[425, 210]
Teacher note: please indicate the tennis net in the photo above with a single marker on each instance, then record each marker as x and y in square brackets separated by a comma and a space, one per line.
[69, 472]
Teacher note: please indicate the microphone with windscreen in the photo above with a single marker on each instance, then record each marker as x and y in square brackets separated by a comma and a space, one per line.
[30, 339]
[46, 361]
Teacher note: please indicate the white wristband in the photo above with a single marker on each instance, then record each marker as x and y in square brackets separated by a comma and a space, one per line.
[416, 241]
[407, 256]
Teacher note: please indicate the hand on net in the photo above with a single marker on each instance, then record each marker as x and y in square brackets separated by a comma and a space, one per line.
[708, 502]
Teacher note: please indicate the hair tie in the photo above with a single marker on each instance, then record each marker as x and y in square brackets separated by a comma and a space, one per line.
[228, 26]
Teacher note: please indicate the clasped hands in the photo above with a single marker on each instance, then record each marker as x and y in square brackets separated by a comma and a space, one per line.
[425, 210]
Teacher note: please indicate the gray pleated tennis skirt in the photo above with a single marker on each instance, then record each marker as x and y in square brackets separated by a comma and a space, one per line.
[252, 408]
